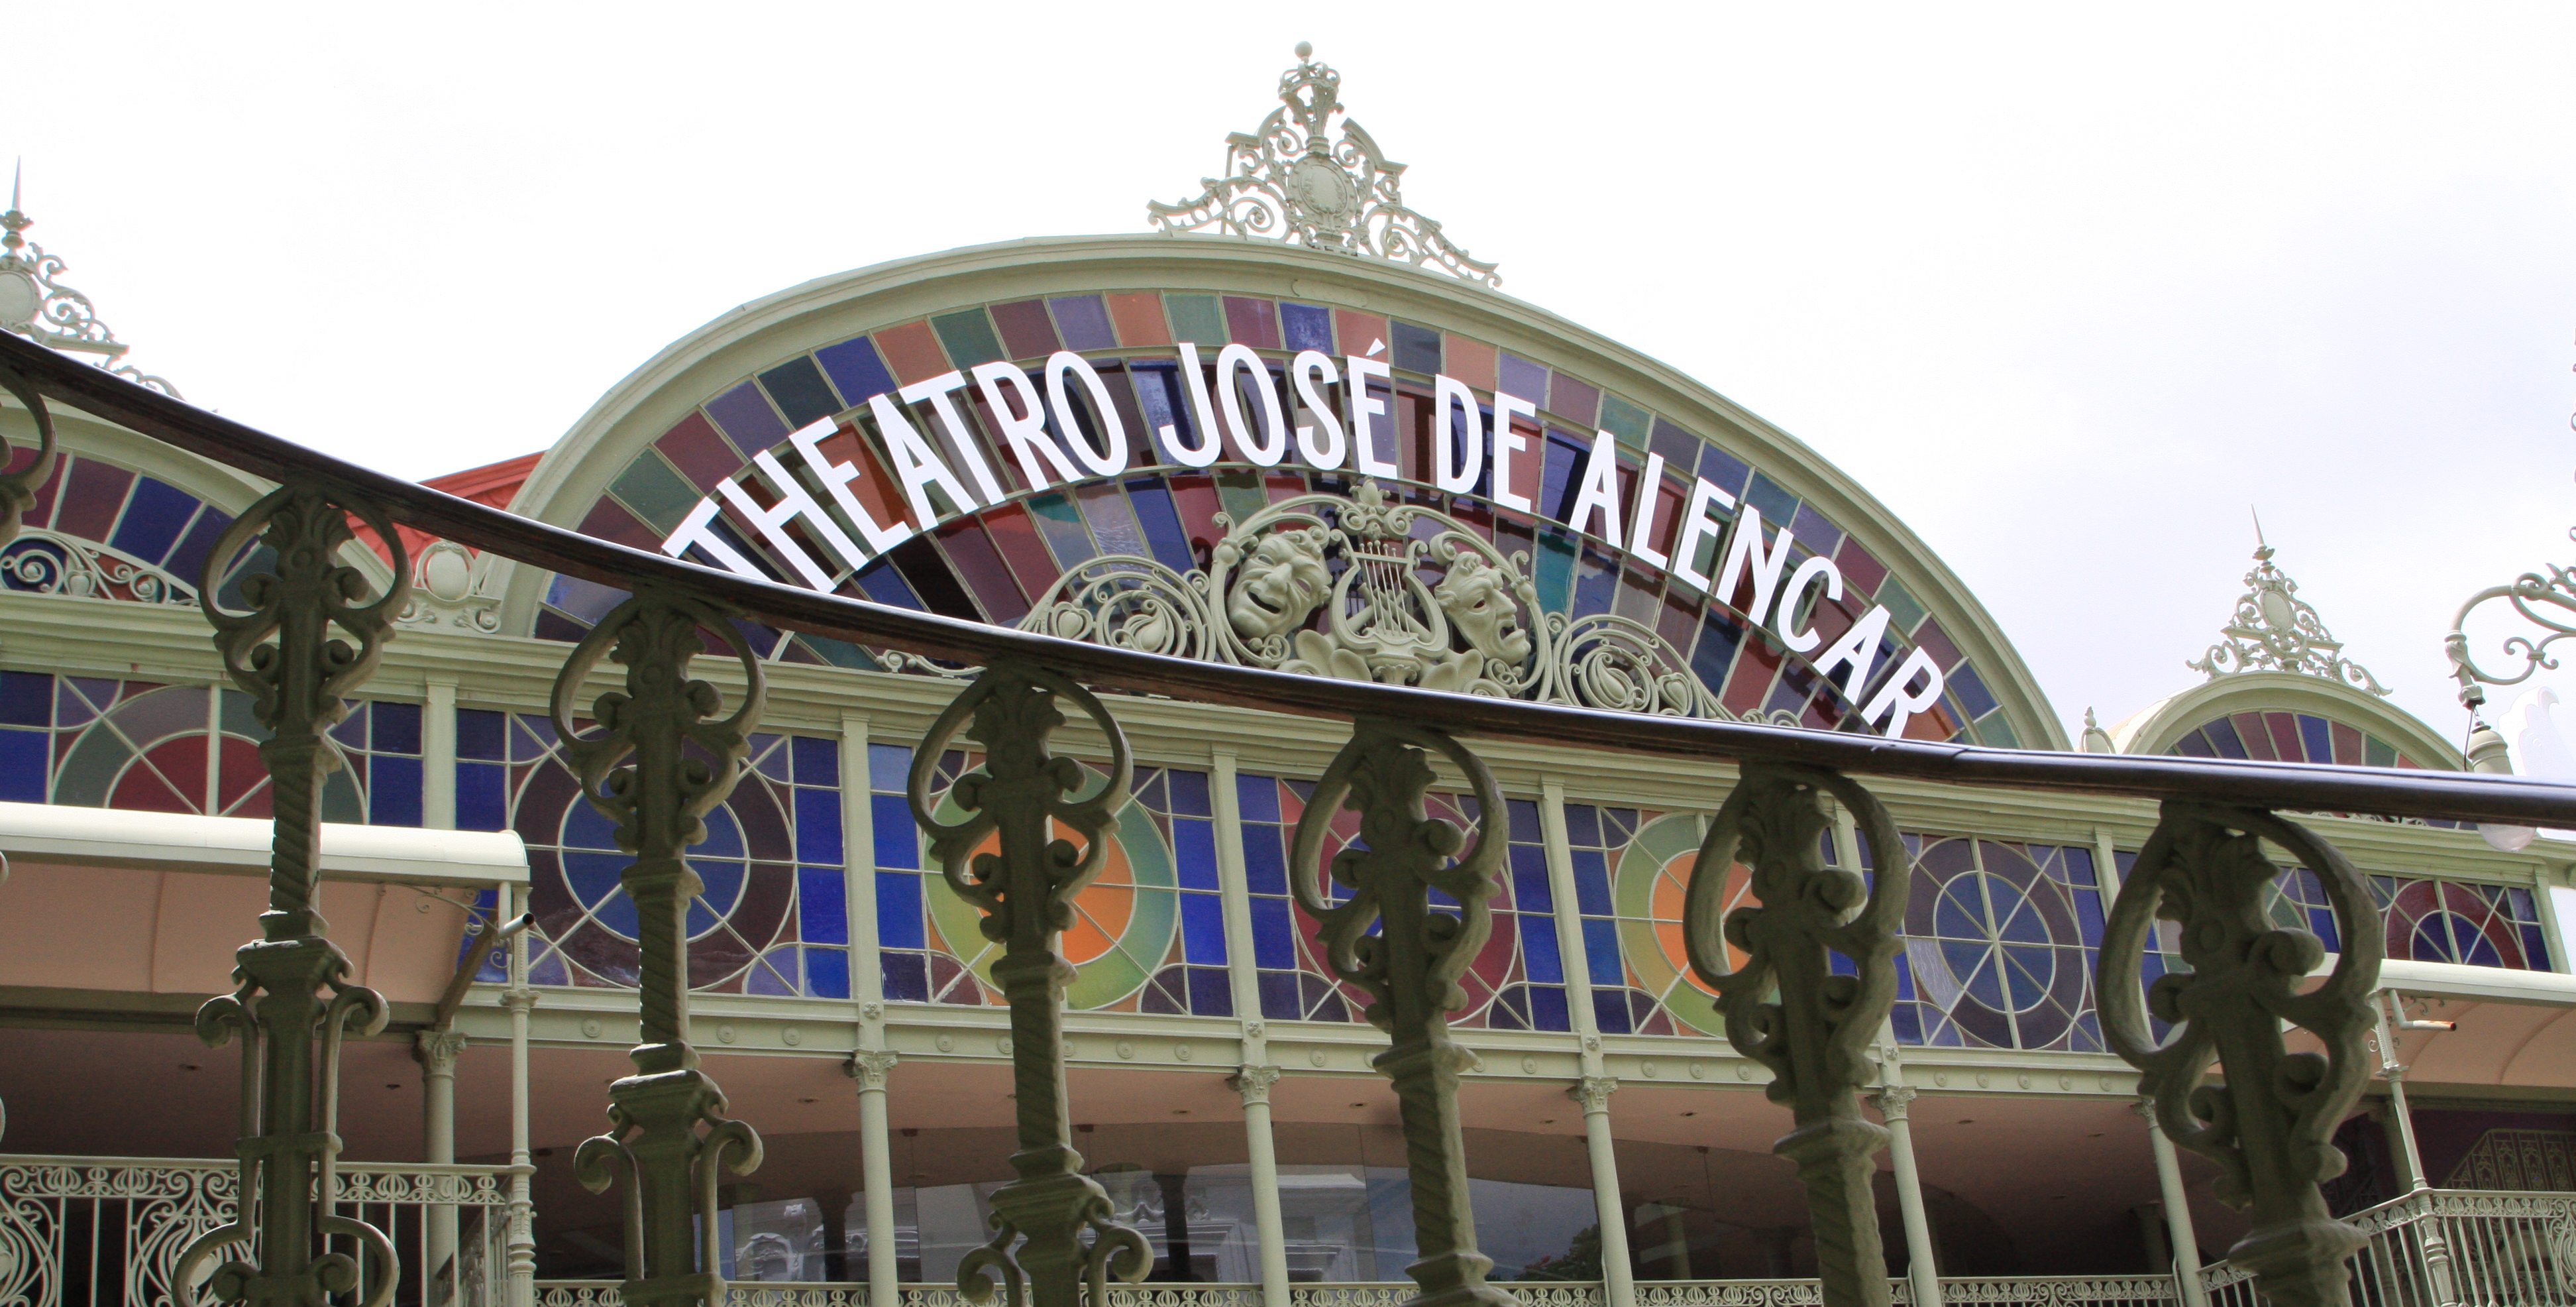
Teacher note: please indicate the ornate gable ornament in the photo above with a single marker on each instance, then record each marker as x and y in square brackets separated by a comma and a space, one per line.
[35, 304]
[2274, 630]
[1364, 588]
[1292, 181]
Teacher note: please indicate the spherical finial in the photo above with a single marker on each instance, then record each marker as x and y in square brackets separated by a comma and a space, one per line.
[1305, 49]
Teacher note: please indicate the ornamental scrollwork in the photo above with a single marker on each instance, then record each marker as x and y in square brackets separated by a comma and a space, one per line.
[36, 304]
[1364, 588]
[1293, 182]
[48, 562]
[2270, 1125]
[2547, 601]
[2274, 630]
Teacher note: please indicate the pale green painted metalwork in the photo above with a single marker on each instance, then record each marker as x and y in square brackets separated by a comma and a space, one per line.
[1410, 968]
[1787, 1009]
[1025, 888]
[659, 761]
[2270, 1125]
[294, 988]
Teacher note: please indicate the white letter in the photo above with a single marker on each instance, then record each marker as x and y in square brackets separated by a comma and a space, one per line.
[1859, 648]
[1274, 424]
[836, 479]
[1505, 441]
[1453, 473]
[1024, 425]
[1356, 372]
[961, 440]
[695, 530]
[1107, 462]
[1791, 596]
[1696, 526]
[917, 465]
[1747, 543]
[1313, 366]
[793, 502]
[1641, 530]
[1893, 694]
[1600, 492]
[1209, 446]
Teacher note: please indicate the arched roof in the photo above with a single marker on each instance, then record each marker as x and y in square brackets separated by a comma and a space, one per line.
[698, 412]
[2256, 702]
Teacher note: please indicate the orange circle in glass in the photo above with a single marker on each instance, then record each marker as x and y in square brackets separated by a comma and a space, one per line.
[1671, 899]
[1101, 910]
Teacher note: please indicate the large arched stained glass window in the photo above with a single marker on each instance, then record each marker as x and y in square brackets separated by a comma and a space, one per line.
[100, 531]
[773, 916]
[2471, 925]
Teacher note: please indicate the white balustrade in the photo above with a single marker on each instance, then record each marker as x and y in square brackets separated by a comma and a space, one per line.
[109, 1231]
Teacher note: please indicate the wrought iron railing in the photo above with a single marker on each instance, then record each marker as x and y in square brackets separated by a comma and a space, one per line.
[1406, 907]
[2449, 1248]
[104, 1231]
[1986, 1291]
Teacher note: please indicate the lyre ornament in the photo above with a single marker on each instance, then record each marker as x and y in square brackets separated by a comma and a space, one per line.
[2270, 1125]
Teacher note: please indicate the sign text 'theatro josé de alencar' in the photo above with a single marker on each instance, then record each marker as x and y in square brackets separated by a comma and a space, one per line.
[1486, 453]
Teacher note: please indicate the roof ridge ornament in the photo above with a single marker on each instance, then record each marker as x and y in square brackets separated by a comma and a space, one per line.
[1291, 181]
[35, 304]
[2273, 630]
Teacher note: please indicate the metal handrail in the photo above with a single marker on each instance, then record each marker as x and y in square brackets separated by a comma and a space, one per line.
[2307, 786]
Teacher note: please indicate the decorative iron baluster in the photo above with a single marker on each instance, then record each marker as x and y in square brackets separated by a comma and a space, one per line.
[293, 979]
[18, 489]
[1025, 886]
[1410, 968]
[659, 762]
[2270, 1125]
[1786, 1007]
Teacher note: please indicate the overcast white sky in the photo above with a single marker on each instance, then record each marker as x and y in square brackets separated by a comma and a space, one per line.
[2068, 287]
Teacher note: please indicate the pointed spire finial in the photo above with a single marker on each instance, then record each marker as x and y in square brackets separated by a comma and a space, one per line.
[36, 304]
[1299, 182]
[2262, 547]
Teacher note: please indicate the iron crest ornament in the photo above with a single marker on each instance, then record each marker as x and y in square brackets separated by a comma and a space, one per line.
[1294, 182]
[2274, 630]
[34, 303]
[1364, 588]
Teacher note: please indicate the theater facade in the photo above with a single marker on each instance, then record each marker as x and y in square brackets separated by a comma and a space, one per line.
[1296, 427]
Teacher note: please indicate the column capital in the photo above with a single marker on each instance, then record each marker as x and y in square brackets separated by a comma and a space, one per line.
[1893, 1101]
[521, 999]
[2146, 1109]
[437, 1050]
[869, 1068]
[1593, 1092]
[1254, 1082]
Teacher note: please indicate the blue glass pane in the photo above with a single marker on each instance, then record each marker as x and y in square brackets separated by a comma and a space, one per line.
[898, 843]
[481, 799]
[907, 977]
[1203, 929]
[1194, 848]
[1274, 935]
[1530, 890]
[1307, 327]
[1210, 993]
[818, 761]
[1583, 825]
[1265, 862]
[1972, 691]
[889, 769]
[1279, 996]
[153, 519]
[1601, 952]
[823, 905]
[1190, 794]
[23, 766]
[855, 370]
[393, 791]
[827, 972]
[899, 910]
[1526, 828]
[818, 827]
[396, 728]
[1162, 523]
[1258, 798]
[27, 698]
[1548, 1009]
[1610, 1008]
[1592, 882]
[188, 561]
[1539, 954]
[478, 734]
